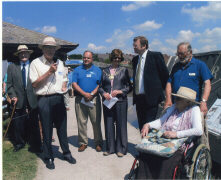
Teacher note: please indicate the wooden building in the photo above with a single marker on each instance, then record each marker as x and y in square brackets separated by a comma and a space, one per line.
[13, 36]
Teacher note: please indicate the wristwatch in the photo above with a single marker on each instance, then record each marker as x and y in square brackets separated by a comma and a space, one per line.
[203, 100]
[92, 94]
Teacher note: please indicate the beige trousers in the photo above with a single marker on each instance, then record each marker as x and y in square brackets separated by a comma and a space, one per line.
[82, 114]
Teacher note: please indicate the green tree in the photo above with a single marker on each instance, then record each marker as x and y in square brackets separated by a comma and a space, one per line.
[75, 56]
[107, 61]
[95, 57]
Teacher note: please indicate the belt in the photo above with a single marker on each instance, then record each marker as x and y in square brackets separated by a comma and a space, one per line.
[49, 95]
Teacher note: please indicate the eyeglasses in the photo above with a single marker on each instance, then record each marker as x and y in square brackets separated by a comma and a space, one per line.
[182, 54]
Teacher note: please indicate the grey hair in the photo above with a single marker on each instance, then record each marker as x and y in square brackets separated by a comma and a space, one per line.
[189, 47]
[89, 52]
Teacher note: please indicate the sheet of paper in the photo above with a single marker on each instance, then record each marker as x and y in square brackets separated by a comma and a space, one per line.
[213, 118]
[110, 103]
[88, 103]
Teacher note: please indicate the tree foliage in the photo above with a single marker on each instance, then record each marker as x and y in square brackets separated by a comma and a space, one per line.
[75, 56]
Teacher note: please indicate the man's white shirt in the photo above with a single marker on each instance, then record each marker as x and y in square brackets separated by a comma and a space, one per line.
[142, 60]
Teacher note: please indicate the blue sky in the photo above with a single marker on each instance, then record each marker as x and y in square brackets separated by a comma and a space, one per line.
[102, 26]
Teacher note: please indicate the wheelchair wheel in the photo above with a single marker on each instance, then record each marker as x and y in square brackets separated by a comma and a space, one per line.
[202, 164]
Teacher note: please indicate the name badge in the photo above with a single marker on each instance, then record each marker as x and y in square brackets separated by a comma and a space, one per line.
[60, 73]
[88, 75]
[192, 74]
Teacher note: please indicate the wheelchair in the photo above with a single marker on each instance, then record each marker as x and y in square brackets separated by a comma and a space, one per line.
[196, 162]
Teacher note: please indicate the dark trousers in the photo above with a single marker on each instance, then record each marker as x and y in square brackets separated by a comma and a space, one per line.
[19, 127]
[145, 113]
[156, 167]
[26, 128]
[117, 114]
[52, 110]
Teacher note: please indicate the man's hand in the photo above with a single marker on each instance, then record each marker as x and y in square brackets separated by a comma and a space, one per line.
[53, 68]
[88, 97]
[170, 134]
[116, 92]
[107, 96]
[203, 107]
[167, 104]
[14, 100]
[145, 130]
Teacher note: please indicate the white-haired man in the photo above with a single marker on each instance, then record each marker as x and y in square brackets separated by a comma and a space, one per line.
[20, 91]
[48, 77]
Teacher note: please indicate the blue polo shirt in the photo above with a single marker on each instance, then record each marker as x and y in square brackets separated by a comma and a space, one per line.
[87, 79]
[192, 76]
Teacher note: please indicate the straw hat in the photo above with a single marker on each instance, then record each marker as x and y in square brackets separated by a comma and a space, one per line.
[186, 93]
[22, 48]
[49, 41]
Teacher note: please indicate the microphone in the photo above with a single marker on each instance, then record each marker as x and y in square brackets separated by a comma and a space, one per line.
[55, 59]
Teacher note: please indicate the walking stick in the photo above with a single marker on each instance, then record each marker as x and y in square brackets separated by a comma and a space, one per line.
[13, 111]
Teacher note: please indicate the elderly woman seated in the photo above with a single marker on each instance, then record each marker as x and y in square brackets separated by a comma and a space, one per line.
[182, 119]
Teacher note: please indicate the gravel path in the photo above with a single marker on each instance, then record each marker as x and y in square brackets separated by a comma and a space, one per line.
[90, 164]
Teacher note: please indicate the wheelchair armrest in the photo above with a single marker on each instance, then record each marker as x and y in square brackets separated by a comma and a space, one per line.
[191, 139]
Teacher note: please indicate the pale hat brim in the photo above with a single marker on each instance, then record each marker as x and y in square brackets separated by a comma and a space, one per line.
[184, 97]
[23, 50]
[56, 46]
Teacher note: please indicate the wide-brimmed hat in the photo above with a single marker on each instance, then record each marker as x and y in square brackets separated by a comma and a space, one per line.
[186, 93]
[22, 48]
[49, 41]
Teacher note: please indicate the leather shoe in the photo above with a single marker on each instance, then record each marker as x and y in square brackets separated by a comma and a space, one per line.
[50, 164]
[119, 154]
[98, 148]
[106, 153]
[70, 159]
[82, 148]
[18, 147]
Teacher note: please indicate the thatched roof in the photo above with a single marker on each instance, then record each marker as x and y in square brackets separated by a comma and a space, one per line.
[13, 35]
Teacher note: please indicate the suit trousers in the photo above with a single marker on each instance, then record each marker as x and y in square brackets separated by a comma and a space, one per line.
[26, 128]
[82, 114]
[52, 110]
[19, 126]
[145, 112]
[116, 115]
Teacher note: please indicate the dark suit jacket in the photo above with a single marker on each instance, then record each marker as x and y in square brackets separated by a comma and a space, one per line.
[155, 77]
[15, 87]
[121, 82]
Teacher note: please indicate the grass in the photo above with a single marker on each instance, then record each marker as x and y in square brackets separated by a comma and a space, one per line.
[21, 165]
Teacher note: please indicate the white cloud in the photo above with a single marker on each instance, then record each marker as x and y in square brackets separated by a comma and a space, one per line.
[207, 48]
[95, 48]
[183, 35]
[210, 12]
[37, 29]
[157, 45]
[135, 6]
[148, 26]
[9, 19]
[211, 36]
[49, 29]
[120, 38]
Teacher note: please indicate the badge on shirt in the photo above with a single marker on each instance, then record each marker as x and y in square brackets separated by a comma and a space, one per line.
[60, 73]
[88, 75]
[192, 74]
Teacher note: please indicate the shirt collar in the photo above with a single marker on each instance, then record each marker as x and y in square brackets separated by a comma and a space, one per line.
[26, 63]
[92, 66]
[44, 60]
[144, 54]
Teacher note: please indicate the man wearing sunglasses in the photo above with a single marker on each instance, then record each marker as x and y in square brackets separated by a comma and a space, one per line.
[189, 72]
